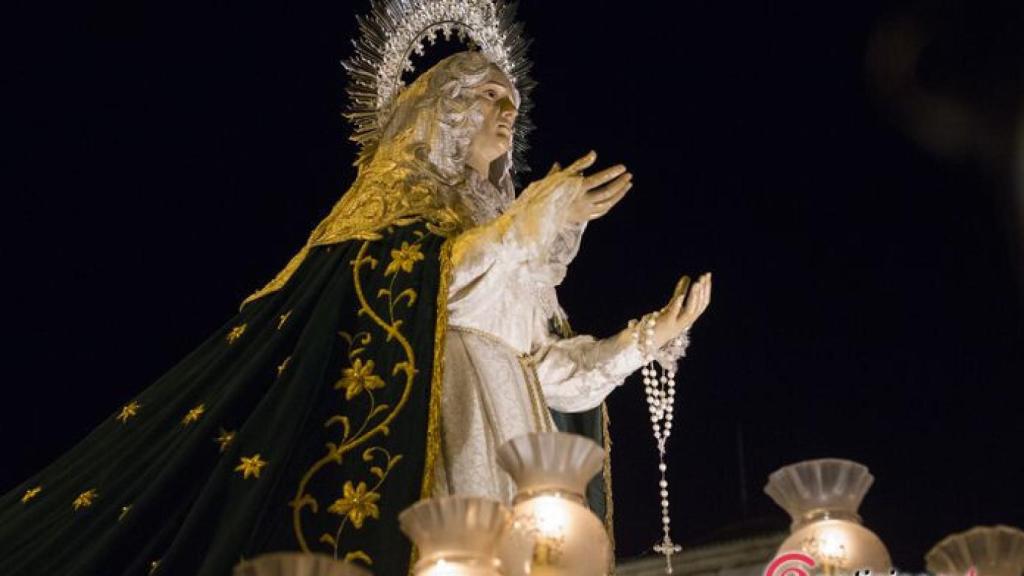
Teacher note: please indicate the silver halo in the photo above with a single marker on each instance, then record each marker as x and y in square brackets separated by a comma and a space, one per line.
[395, 29]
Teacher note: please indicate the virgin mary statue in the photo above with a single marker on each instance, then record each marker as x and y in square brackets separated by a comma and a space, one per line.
[414, 333]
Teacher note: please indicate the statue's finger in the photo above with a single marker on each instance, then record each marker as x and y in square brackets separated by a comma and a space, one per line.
[554, 168]
[583, 163]
[604, 176]
[611, 197]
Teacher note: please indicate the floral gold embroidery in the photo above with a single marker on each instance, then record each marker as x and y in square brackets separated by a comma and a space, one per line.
[236, 333]
[283, 319]
[356, 503]
[30, 494]
[128, 410]
[251, 466]
[193, 415]
[224, 439]
[283, 366]
[358, 378]
[404, 258]
[124, 512]
[85, 499]
[153, 566]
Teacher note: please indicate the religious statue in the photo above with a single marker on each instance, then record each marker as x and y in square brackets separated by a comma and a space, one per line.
[416, 331]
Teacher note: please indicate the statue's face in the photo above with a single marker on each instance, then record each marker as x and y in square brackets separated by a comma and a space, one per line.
[497, 102]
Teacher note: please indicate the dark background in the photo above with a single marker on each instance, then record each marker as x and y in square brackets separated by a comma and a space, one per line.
[164, 159]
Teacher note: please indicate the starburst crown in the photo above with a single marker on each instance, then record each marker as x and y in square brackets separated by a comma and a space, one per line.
[394, 30]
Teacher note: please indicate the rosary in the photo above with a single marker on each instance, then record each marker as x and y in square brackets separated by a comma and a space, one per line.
[660, 390]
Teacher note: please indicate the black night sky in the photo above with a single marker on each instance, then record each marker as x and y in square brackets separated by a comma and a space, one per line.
[164, 159]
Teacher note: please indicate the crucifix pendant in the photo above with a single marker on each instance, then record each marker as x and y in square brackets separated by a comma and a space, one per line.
[667, 548]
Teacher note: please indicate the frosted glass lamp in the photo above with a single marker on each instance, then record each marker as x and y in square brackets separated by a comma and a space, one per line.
[989, 550]
[296, 564]
[456, 535]
[553, 533]
[822, 498]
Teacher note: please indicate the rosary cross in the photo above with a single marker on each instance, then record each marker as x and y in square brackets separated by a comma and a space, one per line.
[667, 548]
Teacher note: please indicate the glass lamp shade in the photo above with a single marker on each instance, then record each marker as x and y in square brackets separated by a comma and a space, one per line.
[822, 498]
[553, 533]
[296, 564]
[456, 535]
[990, 550]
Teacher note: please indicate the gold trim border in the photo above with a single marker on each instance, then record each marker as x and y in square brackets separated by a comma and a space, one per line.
[436, 383]
[437, 373]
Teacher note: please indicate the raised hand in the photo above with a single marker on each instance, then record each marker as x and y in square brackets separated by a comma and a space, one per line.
[682, 311]
[599, 191]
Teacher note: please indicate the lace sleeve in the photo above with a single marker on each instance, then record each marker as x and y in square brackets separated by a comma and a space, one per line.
[577, 374]
[532, 230]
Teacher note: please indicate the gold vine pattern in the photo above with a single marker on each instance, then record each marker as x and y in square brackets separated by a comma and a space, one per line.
[358, 502]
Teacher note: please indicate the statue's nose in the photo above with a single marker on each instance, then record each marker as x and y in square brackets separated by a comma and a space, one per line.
[508, 110]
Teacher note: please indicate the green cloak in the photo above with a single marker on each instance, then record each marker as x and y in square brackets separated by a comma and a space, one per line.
[307, 422]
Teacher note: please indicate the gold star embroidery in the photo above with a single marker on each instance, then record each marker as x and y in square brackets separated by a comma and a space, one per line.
[283, 319]
[128, 410]
[283, 365]
[224, 439]
[193, 415]
[84, 500]
[236, 333]
[31, 493]
[251, 466]
[124, 512]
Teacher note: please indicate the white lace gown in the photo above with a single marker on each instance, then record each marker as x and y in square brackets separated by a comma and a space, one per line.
[504, 366]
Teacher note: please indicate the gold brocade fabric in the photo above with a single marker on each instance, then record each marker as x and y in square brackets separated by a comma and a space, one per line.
[386, 193]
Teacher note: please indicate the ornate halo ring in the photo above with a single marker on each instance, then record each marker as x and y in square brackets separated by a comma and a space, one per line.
[396, 29]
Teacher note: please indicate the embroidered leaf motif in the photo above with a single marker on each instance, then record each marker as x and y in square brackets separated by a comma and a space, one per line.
[403, 367]
[346, 426]
[306, 500]
[328, 539]
[358, 555]
[409, 294]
